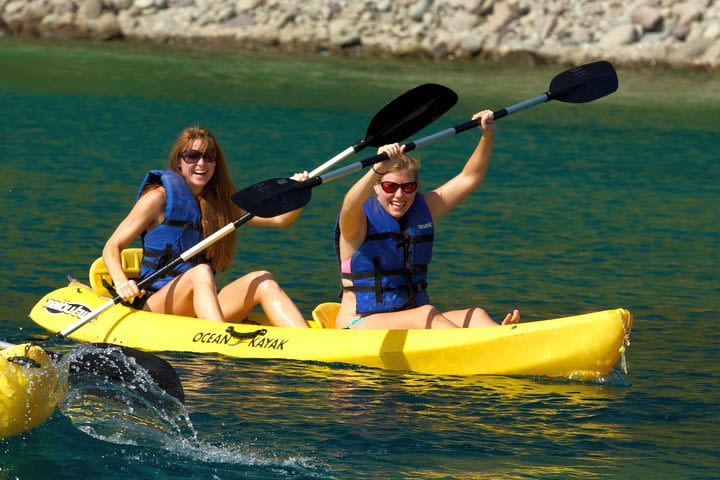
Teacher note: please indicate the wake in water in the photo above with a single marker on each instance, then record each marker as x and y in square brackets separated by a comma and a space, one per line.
[614, 378]
[118, 401]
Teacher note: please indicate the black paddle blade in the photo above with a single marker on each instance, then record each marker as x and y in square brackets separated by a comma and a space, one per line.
[273, 197]
[103, 365]
[584, 83]
[409, 113]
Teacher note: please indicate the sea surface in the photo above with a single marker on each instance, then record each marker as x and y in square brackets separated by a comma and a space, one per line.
[613, 203]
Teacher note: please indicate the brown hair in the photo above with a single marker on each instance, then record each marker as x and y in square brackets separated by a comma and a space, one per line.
[214, 200]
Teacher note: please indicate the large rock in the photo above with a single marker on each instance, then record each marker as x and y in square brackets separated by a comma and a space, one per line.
[649, 18]
[460, 21]
[106, 27]
[623, 34]
[503, 14]
[89, 10]
[687, 12]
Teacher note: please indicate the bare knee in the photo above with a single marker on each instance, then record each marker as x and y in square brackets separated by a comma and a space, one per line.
[432, 315]
[261, 275]
[264, 282]
[477, 312]
[200, 274]
[477, 316]
[262, 278]
[428, 311]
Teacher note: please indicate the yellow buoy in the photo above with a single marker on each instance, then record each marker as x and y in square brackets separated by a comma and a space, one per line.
[28, 388]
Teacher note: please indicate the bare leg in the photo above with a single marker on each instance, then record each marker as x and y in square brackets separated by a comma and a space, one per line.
[260, 288]
[191, 294]
[426, 316]
[477, 317]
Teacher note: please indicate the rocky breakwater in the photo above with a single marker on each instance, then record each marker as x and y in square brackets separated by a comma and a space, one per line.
[675, 33]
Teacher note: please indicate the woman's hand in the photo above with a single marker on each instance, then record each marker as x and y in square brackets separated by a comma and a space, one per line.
[487, 123]
[128, 290]
[394, 151]
[300, 177]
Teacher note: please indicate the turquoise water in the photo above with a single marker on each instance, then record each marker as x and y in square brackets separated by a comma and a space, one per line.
[586, 207]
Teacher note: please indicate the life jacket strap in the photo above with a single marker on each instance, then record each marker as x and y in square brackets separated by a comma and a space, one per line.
[181, 223]
[416, 288]
[156, 259]
[413, 239]
[412, 270]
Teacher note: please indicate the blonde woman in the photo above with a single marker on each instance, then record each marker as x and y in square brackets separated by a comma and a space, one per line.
[384, 240]
[175, 209]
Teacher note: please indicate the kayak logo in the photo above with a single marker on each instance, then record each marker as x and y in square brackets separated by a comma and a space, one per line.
[254, 341]
[211, 338]
[56, 307]
[272, 343]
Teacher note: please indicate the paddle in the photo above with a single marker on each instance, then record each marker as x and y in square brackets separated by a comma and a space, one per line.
[404, 116]
[280, 195]
[104, 366]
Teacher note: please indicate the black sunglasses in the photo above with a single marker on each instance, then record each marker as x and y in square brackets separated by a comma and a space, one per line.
[194, 156]
[391, 187]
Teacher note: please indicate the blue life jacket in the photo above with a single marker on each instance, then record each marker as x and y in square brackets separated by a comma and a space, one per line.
[389, 271]
[180, 230]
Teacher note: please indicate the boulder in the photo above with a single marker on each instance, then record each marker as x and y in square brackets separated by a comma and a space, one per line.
[648, 18]
[687, 12]
[89, 10]
[502, 15]
[624, 34]
[106, 27]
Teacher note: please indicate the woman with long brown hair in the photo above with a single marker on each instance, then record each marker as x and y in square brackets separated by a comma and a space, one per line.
[177, 208]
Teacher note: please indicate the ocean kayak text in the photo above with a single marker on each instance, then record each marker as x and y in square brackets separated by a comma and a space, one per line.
[225, 339]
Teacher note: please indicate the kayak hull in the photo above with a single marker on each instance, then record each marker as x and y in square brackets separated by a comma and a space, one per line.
[28, 394]
[582, 346]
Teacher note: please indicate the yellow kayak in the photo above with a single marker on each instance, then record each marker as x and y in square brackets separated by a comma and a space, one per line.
[28, 381]
[581, 347]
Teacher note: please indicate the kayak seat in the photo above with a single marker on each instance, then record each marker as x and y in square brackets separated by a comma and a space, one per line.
[325, 313]
[130, 258]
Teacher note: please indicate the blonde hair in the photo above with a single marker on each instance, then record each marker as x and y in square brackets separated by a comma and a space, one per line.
[214, 200]
[406, 162]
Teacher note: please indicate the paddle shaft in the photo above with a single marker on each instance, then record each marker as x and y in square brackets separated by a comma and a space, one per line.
[577, 85]
[354, 167]
[338, 158]
[402, 117]
[497, 115]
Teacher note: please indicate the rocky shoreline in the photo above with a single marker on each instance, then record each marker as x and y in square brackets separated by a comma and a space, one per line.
[668, 33]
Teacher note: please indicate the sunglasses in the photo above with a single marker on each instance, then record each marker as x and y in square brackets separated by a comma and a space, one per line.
[391, 187]
[194, 156]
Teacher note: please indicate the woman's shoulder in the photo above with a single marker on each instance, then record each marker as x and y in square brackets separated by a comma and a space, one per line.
[154, 195]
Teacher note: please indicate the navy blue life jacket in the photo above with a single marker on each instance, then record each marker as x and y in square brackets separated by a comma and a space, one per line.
[180, 230]
[389, 271]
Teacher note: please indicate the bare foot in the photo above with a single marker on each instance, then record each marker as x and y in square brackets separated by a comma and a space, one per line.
[511, 318]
